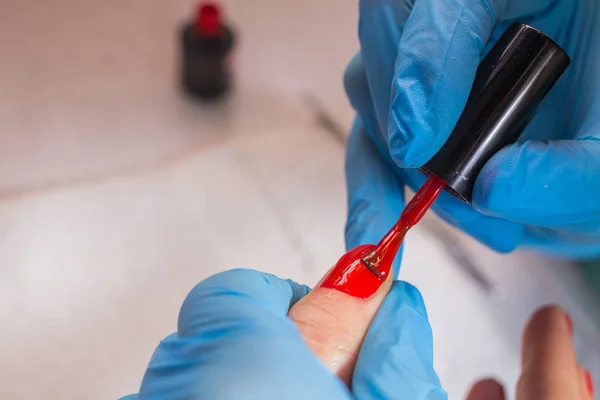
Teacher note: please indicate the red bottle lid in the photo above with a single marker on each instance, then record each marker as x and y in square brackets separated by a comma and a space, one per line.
[208, 20]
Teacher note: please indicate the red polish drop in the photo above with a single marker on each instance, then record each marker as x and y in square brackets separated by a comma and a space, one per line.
[361, 271]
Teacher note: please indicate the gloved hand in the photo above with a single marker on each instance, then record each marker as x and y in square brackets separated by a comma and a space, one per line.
[409, 84]
[235, 341]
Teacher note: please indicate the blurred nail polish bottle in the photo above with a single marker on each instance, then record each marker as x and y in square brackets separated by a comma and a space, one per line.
[206, 45]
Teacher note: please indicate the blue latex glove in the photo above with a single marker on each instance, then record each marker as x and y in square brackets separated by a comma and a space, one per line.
[235, 341]
[411, 81]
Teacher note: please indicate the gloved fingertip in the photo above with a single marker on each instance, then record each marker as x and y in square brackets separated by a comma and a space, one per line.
[396, 359]
[234, 293]
[505, 246]
[407, 295]
[491, 193]
[250, 283]
[355, 79]
[437, 59]
[130, 397]
[402, 313]
[409, 143]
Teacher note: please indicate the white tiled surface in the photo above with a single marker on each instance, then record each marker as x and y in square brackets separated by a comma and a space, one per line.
[116, 194]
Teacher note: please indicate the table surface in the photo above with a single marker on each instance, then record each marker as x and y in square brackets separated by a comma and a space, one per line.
[117, 193]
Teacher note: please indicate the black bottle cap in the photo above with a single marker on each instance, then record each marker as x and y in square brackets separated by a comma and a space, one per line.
[510, 84]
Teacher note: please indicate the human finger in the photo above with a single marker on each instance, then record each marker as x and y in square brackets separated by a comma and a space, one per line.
[549, 367]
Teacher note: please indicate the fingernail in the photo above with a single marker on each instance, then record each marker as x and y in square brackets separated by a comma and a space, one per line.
[351, 276]
[501, 393]
[569, 324]
[497, 393]
[589, 382]
[487, 389]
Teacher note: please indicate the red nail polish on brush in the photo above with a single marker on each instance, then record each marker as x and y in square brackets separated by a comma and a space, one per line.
[509, 86]
[361, 271]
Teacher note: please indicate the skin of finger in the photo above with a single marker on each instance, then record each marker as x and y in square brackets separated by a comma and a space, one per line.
[486, 389]
[548, 360]
[334, 324]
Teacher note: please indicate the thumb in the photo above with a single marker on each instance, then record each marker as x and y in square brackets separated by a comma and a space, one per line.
[334, 317]
[334, 322]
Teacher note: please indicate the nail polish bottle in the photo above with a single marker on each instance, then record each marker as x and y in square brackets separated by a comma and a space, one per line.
[206, 46]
